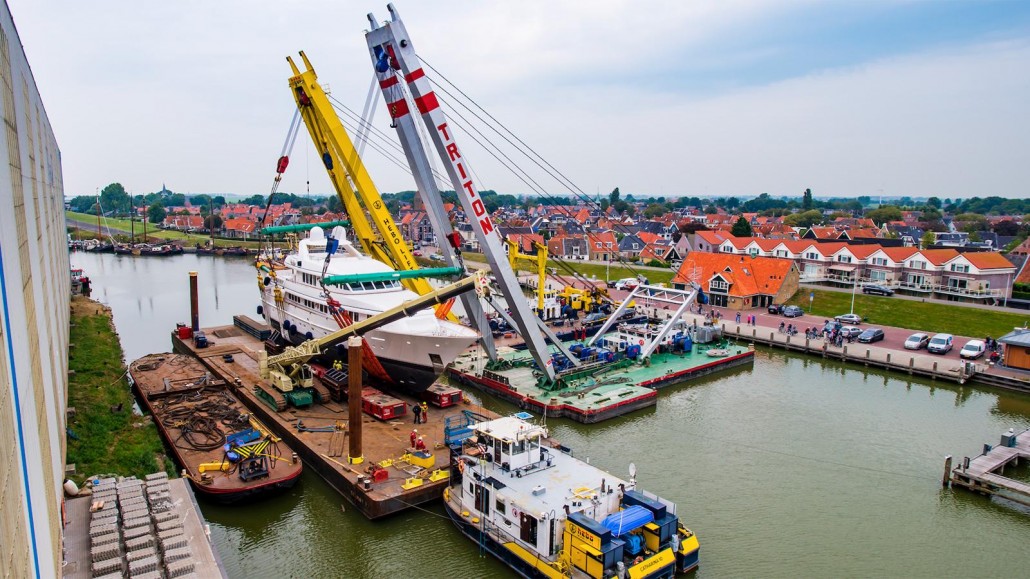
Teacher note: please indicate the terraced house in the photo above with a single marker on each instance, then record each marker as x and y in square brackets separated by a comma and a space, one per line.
[944, 273]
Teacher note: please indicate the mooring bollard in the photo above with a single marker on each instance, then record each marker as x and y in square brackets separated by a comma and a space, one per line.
[867, 357]
[947, 471]
[888, 358]
[911, 365]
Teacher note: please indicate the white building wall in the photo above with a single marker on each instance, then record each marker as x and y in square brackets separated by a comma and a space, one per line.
[34, 315]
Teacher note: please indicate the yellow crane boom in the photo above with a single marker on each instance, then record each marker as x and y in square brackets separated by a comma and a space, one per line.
[351, 180]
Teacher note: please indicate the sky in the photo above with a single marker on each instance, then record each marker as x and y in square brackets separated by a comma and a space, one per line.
[731, 97]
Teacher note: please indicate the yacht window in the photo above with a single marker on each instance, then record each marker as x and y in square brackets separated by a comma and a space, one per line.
[367, 286]
[499, 505]
[348, 286]
[380, 285]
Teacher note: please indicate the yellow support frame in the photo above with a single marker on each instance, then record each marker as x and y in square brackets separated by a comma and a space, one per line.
[330, 137]
[541, 266]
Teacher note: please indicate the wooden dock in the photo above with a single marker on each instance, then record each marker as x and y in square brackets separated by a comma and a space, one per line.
[389, 479]
[984, 474]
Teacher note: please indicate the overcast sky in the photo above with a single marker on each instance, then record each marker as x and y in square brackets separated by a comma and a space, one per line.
[663, 98]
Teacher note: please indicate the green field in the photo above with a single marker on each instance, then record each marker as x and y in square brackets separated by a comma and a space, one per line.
[103, 440]
[122, 227]
[917, 315]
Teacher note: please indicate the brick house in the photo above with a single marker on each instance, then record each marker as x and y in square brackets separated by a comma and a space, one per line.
[739, 282]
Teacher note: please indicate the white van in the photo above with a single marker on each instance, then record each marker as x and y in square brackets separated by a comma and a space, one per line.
[973, 349]
[941, 344]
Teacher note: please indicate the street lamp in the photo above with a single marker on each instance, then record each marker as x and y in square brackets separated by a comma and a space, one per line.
[854, 284]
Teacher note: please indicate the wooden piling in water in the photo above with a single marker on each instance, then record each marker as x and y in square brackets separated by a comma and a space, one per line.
[947, 471]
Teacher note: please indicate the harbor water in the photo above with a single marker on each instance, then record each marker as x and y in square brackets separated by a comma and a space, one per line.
[797, 467]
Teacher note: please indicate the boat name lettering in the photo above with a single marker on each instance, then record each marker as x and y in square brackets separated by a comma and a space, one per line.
[660, 560]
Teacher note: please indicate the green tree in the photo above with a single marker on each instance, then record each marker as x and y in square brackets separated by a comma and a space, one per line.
[806, 200]
[255, 200]
[742, 228]
[156, 213]
[114, 198]
[613, 197]
[200, 200]
[971, 222]
[884, 214]
[213, 222]
[711, 209]
[655, 210]
[218, 201]
[804, 219]
[927, 240]
[934, 202]
[605, 204]
[732, 203]
[334, 204]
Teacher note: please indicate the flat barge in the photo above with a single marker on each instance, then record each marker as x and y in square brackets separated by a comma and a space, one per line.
[393, 476]
[600, 391]
[225, 453]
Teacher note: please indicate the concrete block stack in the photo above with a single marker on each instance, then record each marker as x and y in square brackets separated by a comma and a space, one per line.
[135, 532]
[105, 539]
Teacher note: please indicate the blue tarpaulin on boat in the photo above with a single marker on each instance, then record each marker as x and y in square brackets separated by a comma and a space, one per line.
[627, 520]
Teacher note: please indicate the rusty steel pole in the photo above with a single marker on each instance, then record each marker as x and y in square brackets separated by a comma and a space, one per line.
[354, 398]
[194, 302]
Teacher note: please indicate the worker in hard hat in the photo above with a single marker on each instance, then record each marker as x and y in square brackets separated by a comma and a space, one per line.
[413, 437]
[420, 444]
[337, 365]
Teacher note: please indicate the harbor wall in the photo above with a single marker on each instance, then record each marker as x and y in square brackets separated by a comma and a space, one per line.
[35, 295]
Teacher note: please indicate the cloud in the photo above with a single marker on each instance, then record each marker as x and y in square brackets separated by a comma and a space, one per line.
[656, 98]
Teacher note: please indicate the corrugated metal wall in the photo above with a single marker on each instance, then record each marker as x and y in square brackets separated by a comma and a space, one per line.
[34, 291]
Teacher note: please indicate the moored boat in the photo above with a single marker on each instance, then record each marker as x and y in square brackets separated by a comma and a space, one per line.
[413, 350]
[225, 453]
[547, 514]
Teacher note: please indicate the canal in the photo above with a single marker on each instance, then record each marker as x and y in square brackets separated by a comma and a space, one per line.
[797, 467]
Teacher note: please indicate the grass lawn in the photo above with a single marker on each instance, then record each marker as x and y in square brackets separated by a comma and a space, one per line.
[101, 441]
[924, 316]
[123, 227]
[588, 269]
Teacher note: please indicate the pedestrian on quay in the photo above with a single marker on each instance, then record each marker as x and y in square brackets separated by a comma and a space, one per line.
[417, 411]
[425, 412]
[413, 437]
[738, 317]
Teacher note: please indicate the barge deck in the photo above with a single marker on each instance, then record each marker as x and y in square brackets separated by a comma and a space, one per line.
[223, 451]
[607, 392]
[391, 478]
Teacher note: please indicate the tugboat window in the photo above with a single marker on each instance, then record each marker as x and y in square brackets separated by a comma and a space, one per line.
[528, 529]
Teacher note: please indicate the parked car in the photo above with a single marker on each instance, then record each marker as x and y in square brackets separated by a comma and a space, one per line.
[436, 257]
[627, 283]
[917, 341]
[941, 344]
[416, 253]
[973, 349]
[871, 335]
[878, 290]
[850, 332]
[792, 312]
[775, 309]
[849, 319]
